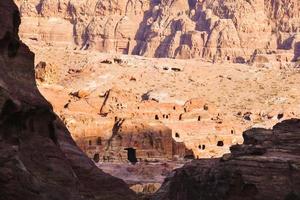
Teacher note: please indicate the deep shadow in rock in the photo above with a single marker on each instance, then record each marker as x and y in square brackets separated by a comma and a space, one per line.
[38, 157]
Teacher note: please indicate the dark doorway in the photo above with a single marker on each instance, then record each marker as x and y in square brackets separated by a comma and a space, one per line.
[96, 158]
[99, 141]
[131, 155]
[220, 143]
[280, 116]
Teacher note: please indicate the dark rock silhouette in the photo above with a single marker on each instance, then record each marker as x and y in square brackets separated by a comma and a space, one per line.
[38, 158]
[266, 166]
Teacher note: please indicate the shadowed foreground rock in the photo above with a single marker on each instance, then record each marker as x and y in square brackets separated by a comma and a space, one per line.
[266, 166]
[38, 158]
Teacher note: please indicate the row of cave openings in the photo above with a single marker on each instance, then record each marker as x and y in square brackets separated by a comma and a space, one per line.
[167, 116]
[178, 136]
[98, 142]
[131, 156]
[131, 152]
[220, 143]
[164, 116]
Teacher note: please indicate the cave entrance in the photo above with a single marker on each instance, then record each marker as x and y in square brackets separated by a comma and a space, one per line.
[220, 143]
[96, 158]
[131, 155]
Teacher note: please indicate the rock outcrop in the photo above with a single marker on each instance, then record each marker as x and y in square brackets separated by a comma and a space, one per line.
[38, 158]
[219, 30]
[117, 104]
[106, 126]
[113, 98]
[266, 166]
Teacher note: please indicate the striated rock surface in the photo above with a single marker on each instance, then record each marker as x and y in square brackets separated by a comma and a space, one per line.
[219, 30]
[38, 158]
[266, 166]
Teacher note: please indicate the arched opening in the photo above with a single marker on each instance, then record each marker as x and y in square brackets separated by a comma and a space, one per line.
[174, 107]
[164, 116]
[220, 143]
[156, 117]
[247, 117]
[205, 107]
[232, 131]
[99, 141]
[90, 142]
[131, 155]
[280, 116]
[203, 147]
[184, 109]
[167, 116]
[177, 135]
[199, 118]
[96, 158]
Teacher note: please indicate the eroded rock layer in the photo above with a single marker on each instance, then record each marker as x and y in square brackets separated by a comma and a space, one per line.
[210, 29]
[38, 158]
[266, 166]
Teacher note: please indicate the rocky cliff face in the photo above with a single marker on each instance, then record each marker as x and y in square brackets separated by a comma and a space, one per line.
[266, 166]
[38, 158]
[216, 30]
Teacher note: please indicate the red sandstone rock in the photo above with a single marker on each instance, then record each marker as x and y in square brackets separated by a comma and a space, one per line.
[38, 158]
[224, 30]
[266, 166]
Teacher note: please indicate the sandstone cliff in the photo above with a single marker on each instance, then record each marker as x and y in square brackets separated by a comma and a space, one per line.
[266, 166]
[38, 158]
[216, 30]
